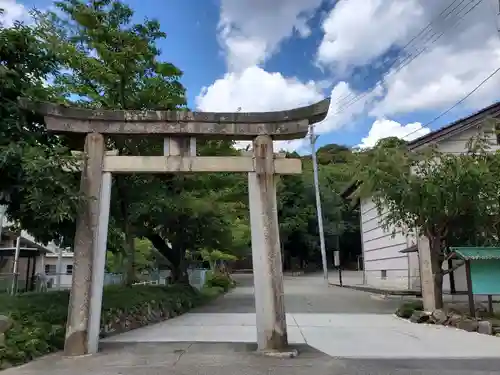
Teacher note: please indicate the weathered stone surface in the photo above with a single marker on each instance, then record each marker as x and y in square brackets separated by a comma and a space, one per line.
[439, 316]
[454, 319]
[5, 323]
[289, 124]
[485, 327]
[87, 224]
[419, 317]
[468, 325]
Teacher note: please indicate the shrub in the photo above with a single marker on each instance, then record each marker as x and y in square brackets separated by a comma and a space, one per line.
[219, 280]
[39, 319]
[408, 308]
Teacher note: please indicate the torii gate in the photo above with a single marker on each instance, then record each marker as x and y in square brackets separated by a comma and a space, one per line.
[180, 130]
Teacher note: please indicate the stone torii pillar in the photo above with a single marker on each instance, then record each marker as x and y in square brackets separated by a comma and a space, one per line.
[180, 130]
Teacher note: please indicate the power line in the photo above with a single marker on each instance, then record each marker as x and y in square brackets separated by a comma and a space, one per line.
[454, 105]
[408, 59]
[405, 47]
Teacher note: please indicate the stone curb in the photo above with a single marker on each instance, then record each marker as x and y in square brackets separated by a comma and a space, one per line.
[380, 291]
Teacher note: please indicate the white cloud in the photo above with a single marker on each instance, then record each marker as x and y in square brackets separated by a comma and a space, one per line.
[255, 90]
[455, 53]
[442, 77]
[13, 11]
[383, 128]
[357, 31]
[250, 31]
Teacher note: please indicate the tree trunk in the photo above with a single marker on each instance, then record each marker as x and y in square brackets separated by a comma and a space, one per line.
[437, 270]
[129, 244]
[130, 277]
[179, 271]
[176, 257]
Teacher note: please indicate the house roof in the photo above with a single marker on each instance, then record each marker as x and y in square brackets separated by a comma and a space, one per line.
[456, 127]
[476, 253]
[447, 131]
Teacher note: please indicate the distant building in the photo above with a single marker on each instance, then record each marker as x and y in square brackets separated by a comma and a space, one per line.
[35, 260]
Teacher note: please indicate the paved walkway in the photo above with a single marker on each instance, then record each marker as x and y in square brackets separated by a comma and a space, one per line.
[338, 335]
[306, 294]
[238, 359]
[336, 321]
[337, 331]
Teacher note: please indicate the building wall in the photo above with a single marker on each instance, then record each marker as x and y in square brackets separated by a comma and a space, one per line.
[381, 248]
[384, 265]
[458, 143]
[65, 276]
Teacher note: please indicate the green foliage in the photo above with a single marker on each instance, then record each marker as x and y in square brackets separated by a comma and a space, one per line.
[407, 309]
[297, 206]
[40, 318]
[219, 280]
[449, 198]
[432, 191]
[111, 62]
[145, 258]
[213, 256]
[31, 159]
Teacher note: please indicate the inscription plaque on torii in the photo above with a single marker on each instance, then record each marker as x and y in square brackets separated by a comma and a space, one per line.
[180, 130]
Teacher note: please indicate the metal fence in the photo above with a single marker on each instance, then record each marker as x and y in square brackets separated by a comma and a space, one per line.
[43, 283]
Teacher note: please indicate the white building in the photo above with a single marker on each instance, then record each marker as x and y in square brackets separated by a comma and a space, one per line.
[50, 268]
[34, 259]
[391, 262]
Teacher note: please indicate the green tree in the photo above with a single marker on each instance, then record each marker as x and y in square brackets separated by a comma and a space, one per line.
[111, 62]
[194, 212]
[31, 159]
[297, 206]
[436, 195]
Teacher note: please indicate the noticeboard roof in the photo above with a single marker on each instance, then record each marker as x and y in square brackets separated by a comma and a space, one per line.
[476, 253]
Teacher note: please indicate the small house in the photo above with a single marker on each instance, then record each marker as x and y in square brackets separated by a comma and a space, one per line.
[390, 261]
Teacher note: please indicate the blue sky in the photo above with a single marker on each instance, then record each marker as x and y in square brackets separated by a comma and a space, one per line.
[261, 55]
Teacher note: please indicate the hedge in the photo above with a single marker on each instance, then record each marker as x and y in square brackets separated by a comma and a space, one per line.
[39, 319]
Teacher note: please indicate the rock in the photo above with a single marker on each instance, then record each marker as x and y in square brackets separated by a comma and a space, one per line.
[454, 320]
[419, 317]
[485, 327]
[439, 316]
[4, 364]
[2, 340]
[5, 323]
[468, 325]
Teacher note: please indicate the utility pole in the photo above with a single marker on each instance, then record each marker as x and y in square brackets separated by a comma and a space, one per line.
[59, 268]
[313, 139]
[16, 265]
[3, 210]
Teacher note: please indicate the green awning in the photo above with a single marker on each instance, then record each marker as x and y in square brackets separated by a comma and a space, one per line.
[476, 253]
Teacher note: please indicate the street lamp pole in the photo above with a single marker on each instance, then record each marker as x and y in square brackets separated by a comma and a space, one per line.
[313, 139]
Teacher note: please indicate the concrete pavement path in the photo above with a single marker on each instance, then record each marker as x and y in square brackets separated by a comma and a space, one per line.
[336, 330]
[238, 359]
[338, 322]
[369, 336]
[306, 294]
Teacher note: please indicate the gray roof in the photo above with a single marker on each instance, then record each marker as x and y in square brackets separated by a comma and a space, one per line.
[457, 126]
